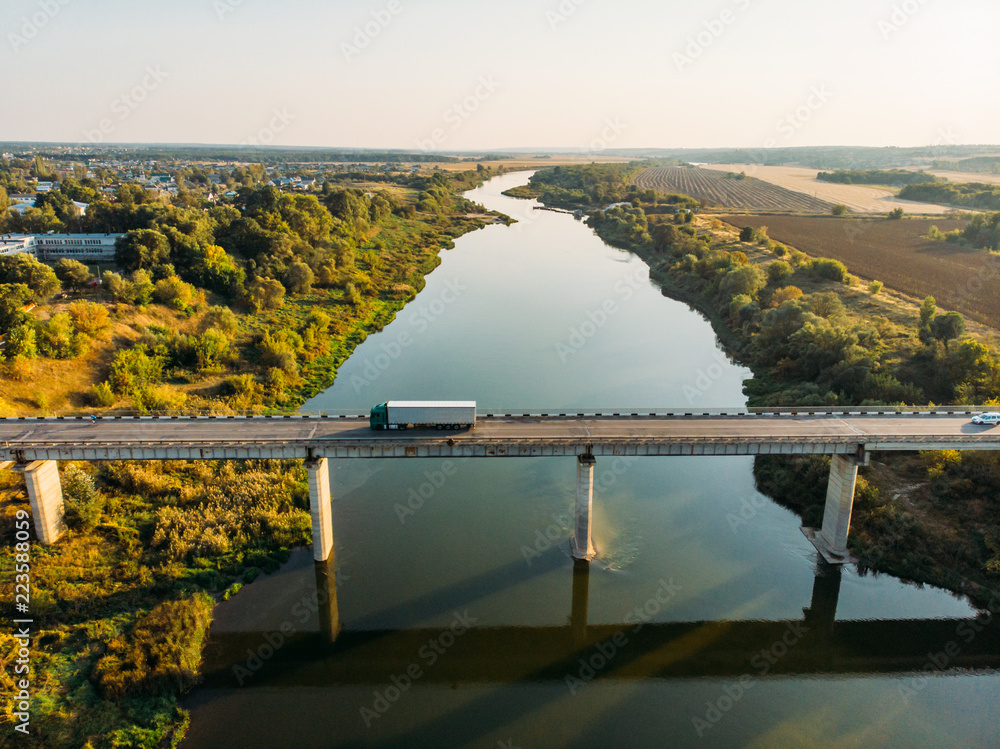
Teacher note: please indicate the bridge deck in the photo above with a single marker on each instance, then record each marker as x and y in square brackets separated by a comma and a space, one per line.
[203, 437]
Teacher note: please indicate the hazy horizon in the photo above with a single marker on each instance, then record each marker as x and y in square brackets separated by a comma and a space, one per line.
[441, 76]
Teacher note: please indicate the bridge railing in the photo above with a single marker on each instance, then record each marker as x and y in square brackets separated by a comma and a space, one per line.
[499, 413]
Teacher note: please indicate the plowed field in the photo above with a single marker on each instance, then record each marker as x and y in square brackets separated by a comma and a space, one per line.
[747, 194]
[899, 254]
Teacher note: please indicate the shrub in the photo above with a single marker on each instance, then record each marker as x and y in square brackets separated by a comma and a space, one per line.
[351, 295]
[874, 287]
[84, 504]
[785, 294]
[829, 269]
[101, 395]
[89, 318]
[896, 214]
[839, 209]
[778, 272]
[162, 653]
[748, 234]
[222, 319]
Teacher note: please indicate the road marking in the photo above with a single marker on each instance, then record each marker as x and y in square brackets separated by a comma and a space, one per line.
[311, 433]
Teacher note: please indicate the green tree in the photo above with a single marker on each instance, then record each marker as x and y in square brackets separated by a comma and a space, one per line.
[300, 278]
[778, 272]
[748, 234]
[72, 273]
[57, 338]
[745, 279]
[23, 268]
[267, 294]
[928, 308]
[21, 342]
[896, 214]
[140, 289]
[134, 370]
[839, 210]
[947, 327]
[141, 248]
[220, 318]
[211, 347]
[13, 298]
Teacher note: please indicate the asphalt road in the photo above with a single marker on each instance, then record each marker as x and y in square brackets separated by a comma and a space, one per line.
[798, 428]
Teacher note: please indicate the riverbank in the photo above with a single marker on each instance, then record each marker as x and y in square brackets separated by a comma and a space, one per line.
[122, 603]
[815, 335]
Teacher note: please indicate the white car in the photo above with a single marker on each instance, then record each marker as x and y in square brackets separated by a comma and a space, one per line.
[989, 418]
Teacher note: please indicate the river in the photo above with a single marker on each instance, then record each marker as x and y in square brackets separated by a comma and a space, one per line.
[456, 596]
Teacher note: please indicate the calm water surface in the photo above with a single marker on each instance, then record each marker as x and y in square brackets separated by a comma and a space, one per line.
[462, 621]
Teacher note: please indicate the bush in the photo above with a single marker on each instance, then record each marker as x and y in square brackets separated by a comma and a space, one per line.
[748, 234]
[89, 318]
[222, 319]
[839, 210]
[778, 272]
[874, 287]
[84, 504]
[101, 395]
[896, 214]
[829, 269]
[785, 294]
[161, 655]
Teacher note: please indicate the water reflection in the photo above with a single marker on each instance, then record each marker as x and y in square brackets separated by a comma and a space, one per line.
[639, 648]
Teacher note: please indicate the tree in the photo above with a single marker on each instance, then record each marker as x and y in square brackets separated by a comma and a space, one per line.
[89, 318]
[778, 272]
[57, 338]
[299, 278]
[173, 292]
[748, 234]
[267, 294]
[829, 269]
[13, 298]
[947, 327]
[222, 319]
[785, 294]
[839, 210]
[72, 273]
[928, 308]
[896, 214]
[141, 248]
[133, 370]
[24, 269]
[210, 348]
[140, 289]
[874, 287]
[745, 279]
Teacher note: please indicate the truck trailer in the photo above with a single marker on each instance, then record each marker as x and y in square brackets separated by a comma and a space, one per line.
[426, 414]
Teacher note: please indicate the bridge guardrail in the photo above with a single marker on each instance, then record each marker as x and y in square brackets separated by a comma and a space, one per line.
[513, 413]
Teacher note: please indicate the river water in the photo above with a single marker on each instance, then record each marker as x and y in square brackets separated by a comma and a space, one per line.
[462, 619]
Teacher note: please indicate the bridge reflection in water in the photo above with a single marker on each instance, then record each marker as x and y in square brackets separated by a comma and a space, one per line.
[815, 644]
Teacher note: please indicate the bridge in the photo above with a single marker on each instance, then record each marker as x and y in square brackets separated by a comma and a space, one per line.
[34, 445]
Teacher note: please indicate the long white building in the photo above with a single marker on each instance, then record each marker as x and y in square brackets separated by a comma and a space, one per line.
[87, 248]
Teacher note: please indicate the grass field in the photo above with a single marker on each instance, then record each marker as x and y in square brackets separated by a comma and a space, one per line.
[859, 198]
[899, 254]
[718, 190]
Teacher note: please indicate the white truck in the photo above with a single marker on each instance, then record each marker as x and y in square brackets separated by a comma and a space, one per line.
[426, 414]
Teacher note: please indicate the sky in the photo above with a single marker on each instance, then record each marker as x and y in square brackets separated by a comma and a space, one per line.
[473, 75]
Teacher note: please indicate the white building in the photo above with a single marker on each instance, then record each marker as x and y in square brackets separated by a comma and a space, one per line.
[87, 248]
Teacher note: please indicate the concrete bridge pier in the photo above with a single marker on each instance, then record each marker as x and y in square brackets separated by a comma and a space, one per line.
[320, 506]
[48, 510]
[583, 543]
[831, 540]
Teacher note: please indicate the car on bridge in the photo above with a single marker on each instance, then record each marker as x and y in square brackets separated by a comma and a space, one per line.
[990, 418]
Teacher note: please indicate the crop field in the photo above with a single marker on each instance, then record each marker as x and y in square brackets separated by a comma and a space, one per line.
[899, 255]
[859, 198]
[718, 190]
